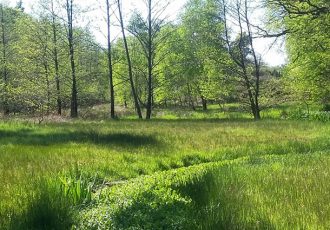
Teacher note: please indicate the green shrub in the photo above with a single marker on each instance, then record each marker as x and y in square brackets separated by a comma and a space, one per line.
[311, 116]
[326, 108]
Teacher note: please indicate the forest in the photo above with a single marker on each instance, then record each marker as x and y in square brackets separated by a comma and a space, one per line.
[128, 115]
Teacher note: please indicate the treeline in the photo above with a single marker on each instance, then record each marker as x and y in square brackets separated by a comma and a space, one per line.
[51, 63]
[35, 66]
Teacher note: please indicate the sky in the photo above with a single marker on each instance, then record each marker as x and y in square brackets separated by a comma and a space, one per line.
[272, 55]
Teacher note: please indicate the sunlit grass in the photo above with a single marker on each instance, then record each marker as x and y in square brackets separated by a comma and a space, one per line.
[270, 192]
[120, 150]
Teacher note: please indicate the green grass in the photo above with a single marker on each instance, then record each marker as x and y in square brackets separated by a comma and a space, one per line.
[34, 158]
[272, 192]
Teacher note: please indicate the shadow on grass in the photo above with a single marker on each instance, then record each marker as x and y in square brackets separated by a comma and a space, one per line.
[189, 120]
[47, 207]
[201, 202]
[29, 137]
[218, 205]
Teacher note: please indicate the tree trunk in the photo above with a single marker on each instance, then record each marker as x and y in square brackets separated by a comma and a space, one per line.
[74, 93]
[204, 102]
[241, 62]
[254, 110]
[4, 63]
[129, 62]
[110, 69]
[48, 86]
[191, 100]
[150, 64]
[256, 67]
[56, 62]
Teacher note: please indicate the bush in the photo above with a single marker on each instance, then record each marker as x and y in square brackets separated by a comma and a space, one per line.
[326, 108]
[311, 116]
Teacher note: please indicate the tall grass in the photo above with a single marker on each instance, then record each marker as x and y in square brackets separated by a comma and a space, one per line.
[35, 157]
[51, 203]
[287, 192]
[270, 192]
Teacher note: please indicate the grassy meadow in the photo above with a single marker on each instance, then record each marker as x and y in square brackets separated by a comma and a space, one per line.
[194, 173]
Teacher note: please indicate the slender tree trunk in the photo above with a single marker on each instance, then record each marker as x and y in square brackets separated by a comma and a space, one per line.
[241, 62]
[129, 62]
[243, 66]
[256, 66]
[150, 62]
[56, 62]
[74, 93]
[204, 102]
[191, 100]
[110, 69]
[47, 85]
[4, 63]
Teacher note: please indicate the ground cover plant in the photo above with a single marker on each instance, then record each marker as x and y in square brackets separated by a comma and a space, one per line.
[56, 175]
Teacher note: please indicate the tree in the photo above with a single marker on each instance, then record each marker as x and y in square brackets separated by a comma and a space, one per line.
[36, 62]
[314, 8]
[242, 52]
[307, 24]
[56, 58]
[147, 32]
[74, 93]
[205, 48]
[5, 74]
[110, 68]
[129, 62]
[19, 5]
[49, 15]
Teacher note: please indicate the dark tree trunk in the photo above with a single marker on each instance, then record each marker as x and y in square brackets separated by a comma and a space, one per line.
[56, 63]
[110, 69]
[191, 100]
[204, 102]
[74, 93]
[47, 85]
[150, 64]
[4, 63]
[129, 62]
[243, 65]
[256, 67]
[253, 92]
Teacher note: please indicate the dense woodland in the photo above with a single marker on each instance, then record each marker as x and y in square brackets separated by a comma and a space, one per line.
[51, 63]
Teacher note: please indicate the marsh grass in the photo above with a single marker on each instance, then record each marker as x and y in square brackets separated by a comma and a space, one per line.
[274, 192]
[35, 155]
[51, 203]
[270, 192]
